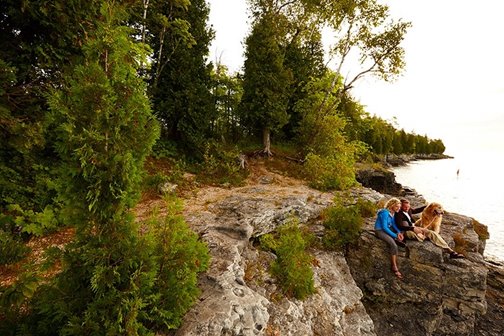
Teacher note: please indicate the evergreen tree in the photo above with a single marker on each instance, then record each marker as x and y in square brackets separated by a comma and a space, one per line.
[397, 146]
[266, 81]
[357, 118]
[37, 40]
[104, 132]
[180, 80]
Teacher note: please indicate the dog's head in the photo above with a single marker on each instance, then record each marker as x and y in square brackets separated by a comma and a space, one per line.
[435, 209]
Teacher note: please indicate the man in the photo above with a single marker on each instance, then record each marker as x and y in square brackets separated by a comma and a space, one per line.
[404, 221]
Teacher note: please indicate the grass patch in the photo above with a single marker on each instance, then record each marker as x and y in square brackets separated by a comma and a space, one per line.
[366, 208]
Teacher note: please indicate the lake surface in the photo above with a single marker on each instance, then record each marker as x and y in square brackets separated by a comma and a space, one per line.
[476, 191]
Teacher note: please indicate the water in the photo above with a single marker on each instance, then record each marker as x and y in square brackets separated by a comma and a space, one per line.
[477, 191]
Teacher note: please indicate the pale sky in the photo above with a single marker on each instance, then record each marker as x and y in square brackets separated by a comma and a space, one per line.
[453, 84]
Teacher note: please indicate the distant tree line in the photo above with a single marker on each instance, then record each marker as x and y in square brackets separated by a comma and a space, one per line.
[88, 88]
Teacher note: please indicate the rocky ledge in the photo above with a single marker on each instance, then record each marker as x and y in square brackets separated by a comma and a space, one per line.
[395, 160]
[239, 296]
[438, 295]
[357, 294]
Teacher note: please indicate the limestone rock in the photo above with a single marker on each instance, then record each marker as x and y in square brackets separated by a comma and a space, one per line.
[492, 323]
[379, 180]
[438, 295]
[239, 297]
[357, 294]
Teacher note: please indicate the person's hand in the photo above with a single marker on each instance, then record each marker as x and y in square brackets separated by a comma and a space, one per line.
[400, 236]
[420, 232]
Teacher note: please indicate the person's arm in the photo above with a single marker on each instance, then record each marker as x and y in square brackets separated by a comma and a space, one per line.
[384, 220]
[401, 223]
[379, 223]
[404, 226]
[418, 210]
[394, 226]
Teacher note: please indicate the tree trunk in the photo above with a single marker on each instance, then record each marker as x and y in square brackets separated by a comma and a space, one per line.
[267, 142]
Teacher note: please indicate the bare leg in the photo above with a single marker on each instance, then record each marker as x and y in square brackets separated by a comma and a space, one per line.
[395, 269]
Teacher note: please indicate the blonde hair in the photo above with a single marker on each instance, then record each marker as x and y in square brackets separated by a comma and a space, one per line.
[391, 202]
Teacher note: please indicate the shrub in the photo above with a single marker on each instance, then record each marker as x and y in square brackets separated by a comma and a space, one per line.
[326, 173]
[366, 208]
[153, 182]
[329, 155]
[342, 226]
[221, 165]
[12, 249]
[13, 302]
[36, 223]
[180, 257]
[292, 268]
[165, 149]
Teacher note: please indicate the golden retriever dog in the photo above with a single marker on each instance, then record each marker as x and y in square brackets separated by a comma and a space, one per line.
[431, 217]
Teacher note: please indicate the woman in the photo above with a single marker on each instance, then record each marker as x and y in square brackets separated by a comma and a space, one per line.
[387, 230]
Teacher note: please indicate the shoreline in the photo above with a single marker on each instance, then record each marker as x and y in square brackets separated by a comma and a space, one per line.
[394, 160]
[419, 199]
[384, 181]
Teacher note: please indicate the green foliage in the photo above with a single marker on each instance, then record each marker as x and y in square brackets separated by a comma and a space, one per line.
[104, 125]
[221, 165]
[329, 173]
[104, 130]
[13, 301]
[227, 92]
[342, 226]
[268, 242]
[37, 40]
[12, 188]
[384, 138]
[355, 116]
[154, 181]
[103, 288]
[180, 257]
[12, 248]
[35, 223]
[292, 266]
[304, 56]
[180, 80]
[329, 156]
[266, 81]
[164, 149]
[365, 28]
[366, 208]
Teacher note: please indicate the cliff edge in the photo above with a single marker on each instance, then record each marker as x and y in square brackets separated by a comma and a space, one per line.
[356, 293]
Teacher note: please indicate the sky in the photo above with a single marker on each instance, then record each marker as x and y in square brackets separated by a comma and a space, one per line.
[452, 87]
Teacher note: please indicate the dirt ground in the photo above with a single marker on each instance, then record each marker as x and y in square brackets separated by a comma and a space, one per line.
[196, 198]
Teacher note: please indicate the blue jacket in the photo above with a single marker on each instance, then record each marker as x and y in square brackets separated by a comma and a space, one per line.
[386, 222]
